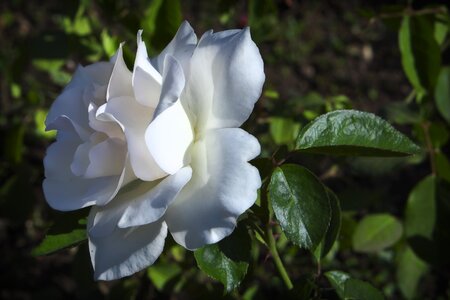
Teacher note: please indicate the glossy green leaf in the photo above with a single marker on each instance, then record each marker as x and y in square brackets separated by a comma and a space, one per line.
[333, 229]
[421, 54]
[376, 232]
[420, 214]
[301, 205]
[442, 93]
[350, 132]
[228, 260]
[410, 269]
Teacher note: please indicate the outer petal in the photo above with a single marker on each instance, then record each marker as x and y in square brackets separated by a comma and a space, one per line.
[223, 186]
[181, 47]
[146, 79]
[139, 203]
[151, 205]
[120, 81]
[134, 119]
[126, 251]
[226, 79]
[65, 191]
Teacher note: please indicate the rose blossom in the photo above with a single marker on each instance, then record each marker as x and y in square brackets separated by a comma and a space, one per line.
[166, 135]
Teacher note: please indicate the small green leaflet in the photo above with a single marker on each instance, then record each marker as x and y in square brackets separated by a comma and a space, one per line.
[350, 288]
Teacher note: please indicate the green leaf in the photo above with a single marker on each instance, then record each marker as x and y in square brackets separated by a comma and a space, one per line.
[350, 132]
[410, 269]
[301, 205]
[421, 54]
[53, 243]
[376, 232]
[350, 288]
[109, 43]
[337, 280]
[358, 289]
[283, 130]
[69, 230]
[420, 214]
[442, 93]
[161, 273]
[39, 120]
[333, 229]
[442, 166]
[228, 260]
[161, 22]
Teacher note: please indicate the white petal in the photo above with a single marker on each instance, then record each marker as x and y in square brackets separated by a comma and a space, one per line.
[98, 122]
[226, 79]
[71, 105]
[222, 187]
[181, 47]
[173, 85]
[106, 158]
[146, 79]
[65, 191]
[99, 72]
[126, 251]
[120, 81]
[152, 204]
[135, 118]
[168, 137]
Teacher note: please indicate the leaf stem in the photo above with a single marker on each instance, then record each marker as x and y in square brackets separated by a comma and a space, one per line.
[430, 148]
[276, 257]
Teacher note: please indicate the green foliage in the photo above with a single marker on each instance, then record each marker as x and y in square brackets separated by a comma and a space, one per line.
[442, 93]
[410, 269]
[349, 132]
[300, 203]
[68, 230]
[420, 51]
[376, 232]
[349, 288]
[228, 260]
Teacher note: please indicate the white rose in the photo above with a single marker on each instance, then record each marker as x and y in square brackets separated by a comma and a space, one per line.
[179, 115]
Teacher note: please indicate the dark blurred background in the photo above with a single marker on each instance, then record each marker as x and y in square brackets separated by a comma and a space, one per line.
[319, 56]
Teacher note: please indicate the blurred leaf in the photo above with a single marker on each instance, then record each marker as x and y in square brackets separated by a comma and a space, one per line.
[337, 280]
[161, 21]
[427, 219]
[421, 54]
[437, 132]
[301, 205]
[420, 214]
[442, 93]
[333, 229]
[68, 230]
[376, 232]
[350, 132]
[410, 269]
[358, 289]
[53, 243]
[441, 25]
[162, 272]
[109, 43]
[14, 146]
[401, 113]
[39, 120]
[228, 260]
[283, 130]
[442, 166]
